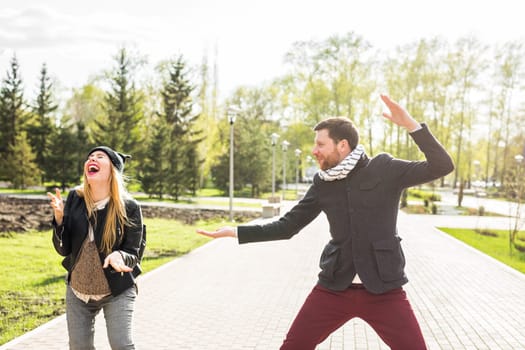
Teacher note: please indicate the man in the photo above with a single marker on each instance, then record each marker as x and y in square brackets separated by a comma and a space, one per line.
[362, 266]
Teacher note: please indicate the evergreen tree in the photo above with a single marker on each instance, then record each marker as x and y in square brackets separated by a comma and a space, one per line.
[22, 169]
[79, 146]
[12, 113]
[182, 137]
[192, 169]
[66, 155]
[252, 156]
[155, 165]
[42, 124]
[120, 127]
[252, 148]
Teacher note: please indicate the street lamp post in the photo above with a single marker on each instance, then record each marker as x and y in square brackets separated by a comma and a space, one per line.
[517, 191]
[231, 118]
[274, 137]
[308, 172]
[298, 156]
[285, 145]
[519, 159]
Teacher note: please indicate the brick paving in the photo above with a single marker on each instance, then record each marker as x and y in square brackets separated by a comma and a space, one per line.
[229, 296]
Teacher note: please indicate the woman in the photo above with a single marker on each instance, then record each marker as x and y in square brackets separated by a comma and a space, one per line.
[99, 230]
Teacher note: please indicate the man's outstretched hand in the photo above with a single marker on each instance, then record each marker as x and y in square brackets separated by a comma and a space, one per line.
[226, 231]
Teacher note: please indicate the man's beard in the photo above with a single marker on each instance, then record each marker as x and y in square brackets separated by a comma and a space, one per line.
[332, 160]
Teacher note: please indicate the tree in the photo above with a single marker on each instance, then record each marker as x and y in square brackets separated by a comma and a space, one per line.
[509, 70]
[252, 155]
[67, 152]
[120, 127]
[12, 113]
[207, 122]
[515, 191]
[404, 79]
[182, 137]
[251, 141]
[42, 123]
[86, 105]
[155, 166]
[329, 74]
[22, 169]
[308, 92]
[465, 62]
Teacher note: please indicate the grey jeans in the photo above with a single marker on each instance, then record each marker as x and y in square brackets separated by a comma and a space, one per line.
[118, 312]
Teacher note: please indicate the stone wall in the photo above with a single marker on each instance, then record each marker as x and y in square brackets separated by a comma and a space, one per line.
[19, 214]
[23, 213]
[191, 215]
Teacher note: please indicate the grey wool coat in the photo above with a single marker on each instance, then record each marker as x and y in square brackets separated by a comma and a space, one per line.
[362, 213]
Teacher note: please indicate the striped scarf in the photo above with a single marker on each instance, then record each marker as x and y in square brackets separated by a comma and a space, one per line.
[341, 170]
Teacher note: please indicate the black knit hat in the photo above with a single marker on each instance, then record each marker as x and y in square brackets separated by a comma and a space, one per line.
[117, 159]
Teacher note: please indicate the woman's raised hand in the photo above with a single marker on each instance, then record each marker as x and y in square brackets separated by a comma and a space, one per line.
[57, 204]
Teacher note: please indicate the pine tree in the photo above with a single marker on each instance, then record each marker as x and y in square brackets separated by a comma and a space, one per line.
[252, 149]
[12, 113]
[120, 128]
[182, 137]
[66, 155]
[22, 169]
[155, 165]
[252, 156]
[42, 126]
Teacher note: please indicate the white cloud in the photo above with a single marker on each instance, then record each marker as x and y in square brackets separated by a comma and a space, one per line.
[39, 27]
[77, 39]
[34, 27]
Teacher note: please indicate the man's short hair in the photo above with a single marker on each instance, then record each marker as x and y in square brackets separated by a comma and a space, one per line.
[340, 128]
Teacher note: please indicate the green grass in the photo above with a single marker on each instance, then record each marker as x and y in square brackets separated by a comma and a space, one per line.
[494, 243]
[421, 209]
[223, 202]
[210, 192]
[32, 285]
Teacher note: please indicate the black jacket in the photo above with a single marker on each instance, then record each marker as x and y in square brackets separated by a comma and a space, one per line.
[68, 239]
[362, 213]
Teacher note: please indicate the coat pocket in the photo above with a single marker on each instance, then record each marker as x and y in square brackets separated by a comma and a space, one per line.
[329, 260]
[389, 258]
[371, 192]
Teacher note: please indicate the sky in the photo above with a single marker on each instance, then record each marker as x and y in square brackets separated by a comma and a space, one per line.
[249, 38]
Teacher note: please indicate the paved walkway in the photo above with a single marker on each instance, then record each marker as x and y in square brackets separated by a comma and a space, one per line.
[229, 296]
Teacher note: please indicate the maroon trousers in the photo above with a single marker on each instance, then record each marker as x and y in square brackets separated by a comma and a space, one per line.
[389, 314]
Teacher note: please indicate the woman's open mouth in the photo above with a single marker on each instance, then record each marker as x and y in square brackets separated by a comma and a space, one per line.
[92, 169]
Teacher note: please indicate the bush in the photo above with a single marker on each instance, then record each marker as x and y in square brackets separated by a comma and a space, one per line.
[425, 195]
[481, 210]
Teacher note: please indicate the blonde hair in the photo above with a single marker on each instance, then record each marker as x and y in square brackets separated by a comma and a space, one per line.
[116, 207]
